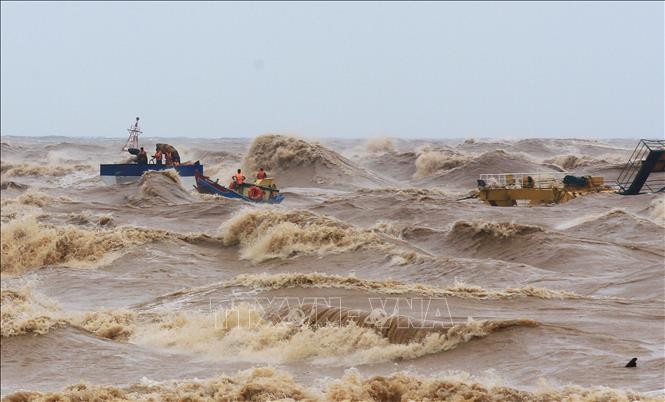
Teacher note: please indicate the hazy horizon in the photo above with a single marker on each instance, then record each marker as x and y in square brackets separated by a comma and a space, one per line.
[334, 70]
[122, 138]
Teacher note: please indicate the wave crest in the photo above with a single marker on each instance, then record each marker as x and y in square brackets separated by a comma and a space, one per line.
[29, 169]
[297, 162]
[321, 334]
[271, 233]
[38, 198]
[460, 387]
[25, 312]
[257, 384]
[500, 230]
[572, 162]
[160, 188]
[27, 244]
[268, 384]
[111, 324]
[431, 161]
[380, 144]
[392, 287]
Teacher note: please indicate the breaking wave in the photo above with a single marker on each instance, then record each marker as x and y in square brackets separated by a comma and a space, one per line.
[392, 287]
[320, 334]
[27, 169]
[264, 234]
[297, 162]
[274, 152]
[111, 324]
[257, 384]
[38, 198]
[572, 162]
[419, 194]
[380, 144]
[223, 171]
[27, 244]
[269, 384]
[460, 387]
[160, 188]
[501, 240]
[431, 161]
[25, 312]
[483, 229]
[86, 218]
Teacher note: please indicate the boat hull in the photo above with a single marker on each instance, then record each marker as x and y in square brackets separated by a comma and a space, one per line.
[121, 173]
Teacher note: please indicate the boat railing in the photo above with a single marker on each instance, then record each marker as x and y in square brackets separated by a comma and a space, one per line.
[541, 180]
[648, 157]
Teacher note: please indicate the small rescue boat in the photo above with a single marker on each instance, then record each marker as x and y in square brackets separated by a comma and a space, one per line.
[261, 191]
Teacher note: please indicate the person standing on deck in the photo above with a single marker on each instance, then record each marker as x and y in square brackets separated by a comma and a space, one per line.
[142, 157]
[175, 157]
[158, 157]
[261, 174]
[237, 180]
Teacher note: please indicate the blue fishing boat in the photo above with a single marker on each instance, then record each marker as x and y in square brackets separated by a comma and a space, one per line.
[120, 173]
[261, 191]
[166, 157]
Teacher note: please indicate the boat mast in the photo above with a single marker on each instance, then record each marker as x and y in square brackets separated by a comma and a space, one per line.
[133, 140]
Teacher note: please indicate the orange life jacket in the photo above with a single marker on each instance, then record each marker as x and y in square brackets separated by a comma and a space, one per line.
[261, 175]
[239, 178]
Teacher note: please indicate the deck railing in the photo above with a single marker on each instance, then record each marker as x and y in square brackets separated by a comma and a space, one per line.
[522, 180]
[632, 178]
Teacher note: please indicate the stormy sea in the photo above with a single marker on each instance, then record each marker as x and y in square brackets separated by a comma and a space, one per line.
[379, 278]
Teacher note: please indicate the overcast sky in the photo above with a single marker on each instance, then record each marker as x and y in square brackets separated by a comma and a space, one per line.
[334, 69]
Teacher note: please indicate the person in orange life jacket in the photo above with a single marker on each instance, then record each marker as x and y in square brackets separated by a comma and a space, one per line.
[261, 174]
[158, 157]
[142, 157]
[239, 178]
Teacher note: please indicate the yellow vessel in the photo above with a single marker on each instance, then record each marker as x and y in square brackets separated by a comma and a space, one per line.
[507, 189]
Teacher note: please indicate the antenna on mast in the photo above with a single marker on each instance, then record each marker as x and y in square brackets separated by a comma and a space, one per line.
[132, 145]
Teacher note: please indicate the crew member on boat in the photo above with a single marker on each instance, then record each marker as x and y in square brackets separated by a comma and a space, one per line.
[237, 180]
[261, 174]
[175, 158]
[158, 157]
[172, 156]
[142, 157]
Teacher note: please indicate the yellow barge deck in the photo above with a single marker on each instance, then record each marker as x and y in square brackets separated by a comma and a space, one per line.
[508, 189]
